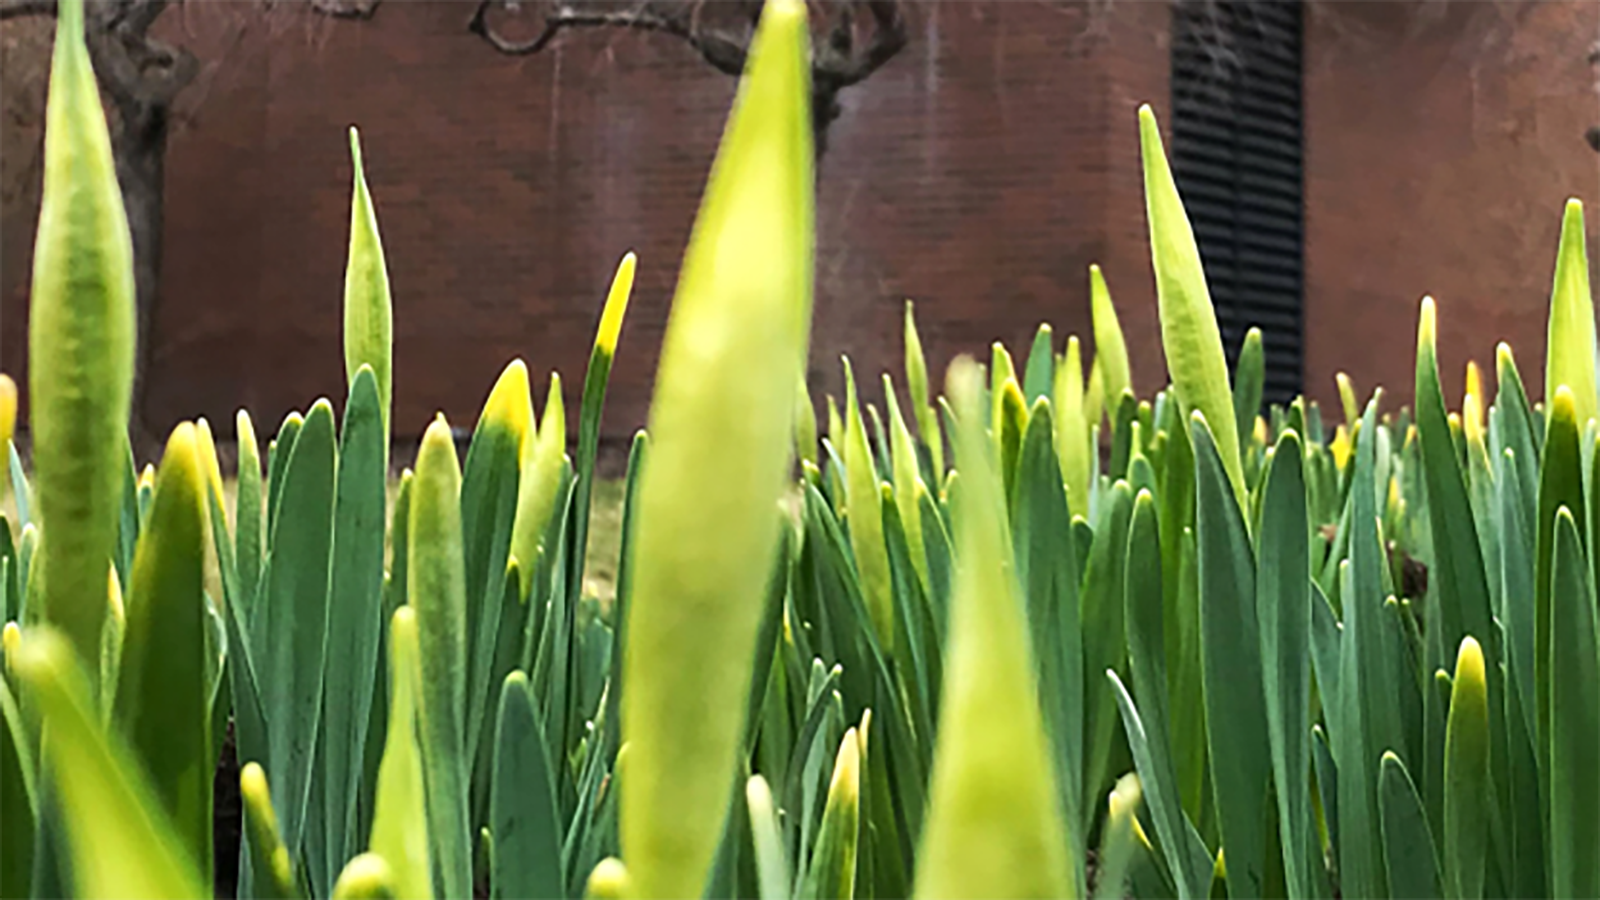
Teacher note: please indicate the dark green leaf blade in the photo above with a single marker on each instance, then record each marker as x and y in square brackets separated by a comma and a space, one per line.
[1283, 603]
[1408, 848]
[527, 859]
[294, 616]
[354, 627]
[1236, 723]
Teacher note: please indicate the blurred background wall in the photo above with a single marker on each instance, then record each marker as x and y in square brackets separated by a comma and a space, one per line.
[1345, 159]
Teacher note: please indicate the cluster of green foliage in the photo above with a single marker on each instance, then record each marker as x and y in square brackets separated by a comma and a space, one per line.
[837, 665]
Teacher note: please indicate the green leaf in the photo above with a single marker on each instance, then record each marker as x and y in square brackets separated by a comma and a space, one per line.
[162, 705]
[1181, 608]
[354, 624]
[394, 596]
[1038, 374]
[1370, 721]
[771, 866]
[278, 452]
[867, 673]
[270, 865]
[489, 492]
[907, 482]
[1570, 341]
[1574, 730]
[8, 418]
[1283, 605]
[130, 517]
[10, 590]
[523, 812]
[506, 656]
[1349, 403]
[80, 339]
[886, 860]
[1119, 844]
[247, 519]
[368, 311]
[294, 617]
[400, 818]
[994, 828]
[1048, 573]
[1527, 824]
[1517, 430]
[1468, 794]
[1001, 370]
[609, 881]
[832, 873]
[539, 483]
[721, 425]
[1463, 605]
[1327, 784]
[438, 595]
[18, 798]
[1110, 350]
[862, 504]
[1249, 375]
[243, 668]
[1186, 854]
[1408, 849]
[21, 494]
[805, 429]
[612, 715]
[590, 410]
[810, 751]
[554, 640]
[1560, 484]
[1101, 606]
[367, 877]
[921, 408]
[1236, 722]
[936, 542]
[120, 841]
[1094, 396]
[1147, 727]
[1189, 335]
[1072, 429]
[1010, 424]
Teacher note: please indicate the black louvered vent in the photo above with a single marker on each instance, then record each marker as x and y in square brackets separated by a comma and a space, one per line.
[1236, 154]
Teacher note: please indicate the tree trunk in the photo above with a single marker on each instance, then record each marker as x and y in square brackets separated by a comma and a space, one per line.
[825, 109]
[141, 153]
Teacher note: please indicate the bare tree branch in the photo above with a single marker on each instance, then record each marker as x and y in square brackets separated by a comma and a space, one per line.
[841, 65]
[133, 68]
[16, 9]
[347, 9]
[841, 59]
[837, 62]
[1592, 134]
[724, 52]
[134, 17]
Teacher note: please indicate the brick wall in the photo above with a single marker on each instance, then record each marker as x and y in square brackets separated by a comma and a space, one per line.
[1440, 148]
[979, 172]
[975, 173]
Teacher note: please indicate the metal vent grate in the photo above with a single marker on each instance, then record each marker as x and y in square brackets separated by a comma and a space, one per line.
[1237, 158]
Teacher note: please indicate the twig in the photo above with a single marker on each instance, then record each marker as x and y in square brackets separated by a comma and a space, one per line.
[836, 64]
[347, 9]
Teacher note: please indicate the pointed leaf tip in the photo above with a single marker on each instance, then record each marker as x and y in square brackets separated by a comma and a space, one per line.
[608, 881]
[616, 305]
[1190, 338]
[1570, 334]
